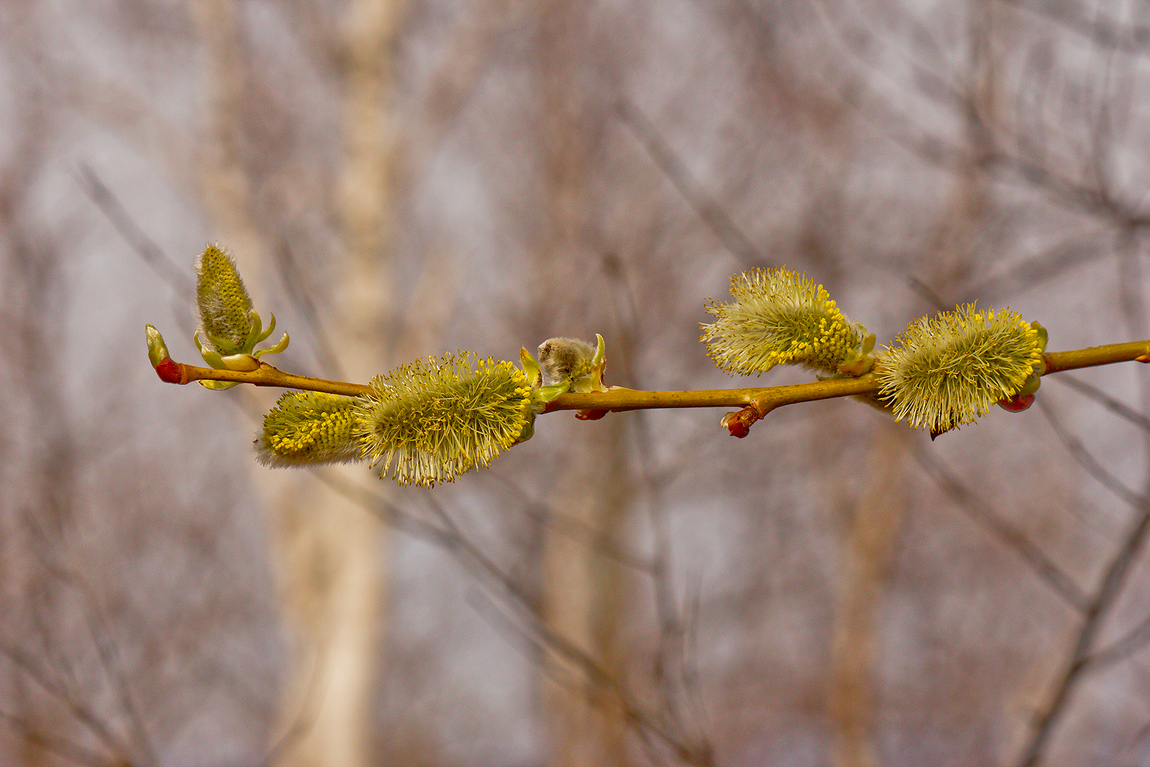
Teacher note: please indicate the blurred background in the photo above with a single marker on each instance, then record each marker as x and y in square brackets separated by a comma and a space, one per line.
[400, 179]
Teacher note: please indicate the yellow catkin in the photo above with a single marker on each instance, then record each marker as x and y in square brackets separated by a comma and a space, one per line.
[310, 428]
[778, 317]
[948, 371]
[430, 421]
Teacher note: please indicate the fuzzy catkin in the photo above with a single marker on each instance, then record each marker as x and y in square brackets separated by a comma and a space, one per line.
[430, 421]
[223, 301]
[564, 359]
[948, 371]
[308, 428]
[778, 317]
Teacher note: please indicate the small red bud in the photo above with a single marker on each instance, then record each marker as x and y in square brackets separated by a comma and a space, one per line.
[738, 429]
[590, 415]
[169, 371]
[738, 423]
[1016, 404]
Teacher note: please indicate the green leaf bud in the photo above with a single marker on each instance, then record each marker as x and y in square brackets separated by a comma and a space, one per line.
[157, 349]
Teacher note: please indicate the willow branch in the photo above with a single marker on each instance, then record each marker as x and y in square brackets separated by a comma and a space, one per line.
[264, 375]
[1138, 351]
[761, 400]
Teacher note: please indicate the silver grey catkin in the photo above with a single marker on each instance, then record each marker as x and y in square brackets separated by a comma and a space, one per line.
[564, 358]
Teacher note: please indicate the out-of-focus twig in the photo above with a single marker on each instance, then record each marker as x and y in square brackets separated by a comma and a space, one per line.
[300, 292]
[979, 511]
[55, 744]
[680, 702]
[1097, 609]
[1121, 648]
[534, 629]
[1088, 461]
[991, 155]
[152, 254]
[81, 710]
[53, 674]
[1121, 409]
[713, 215]
[1101, 31]
[1029, 273]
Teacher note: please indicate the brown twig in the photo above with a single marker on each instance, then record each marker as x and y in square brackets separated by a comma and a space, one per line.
[756, 402]
[1138, 351]
[171, 371]
[762, 399]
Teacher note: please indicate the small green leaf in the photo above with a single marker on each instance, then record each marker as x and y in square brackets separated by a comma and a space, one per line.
[157, 349]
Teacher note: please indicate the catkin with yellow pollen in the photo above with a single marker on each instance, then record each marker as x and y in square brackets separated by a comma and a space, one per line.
[948, 371]
[310, 428]
[779, 317]
[430, 421]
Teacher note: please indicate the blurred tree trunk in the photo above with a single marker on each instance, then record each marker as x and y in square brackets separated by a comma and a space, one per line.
[331, 553]
[583, 589]
[584, 595]
[341, 568]
[872, 518]
[875, 522]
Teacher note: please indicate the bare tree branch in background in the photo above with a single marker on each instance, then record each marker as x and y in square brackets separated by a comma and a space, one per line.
[708, 209]
[1100, 30]
[1097, 609]
[1049, 572]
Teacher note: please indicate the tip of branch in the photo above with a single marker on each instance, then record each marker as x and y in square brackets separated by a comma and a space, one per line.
[169, 371]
